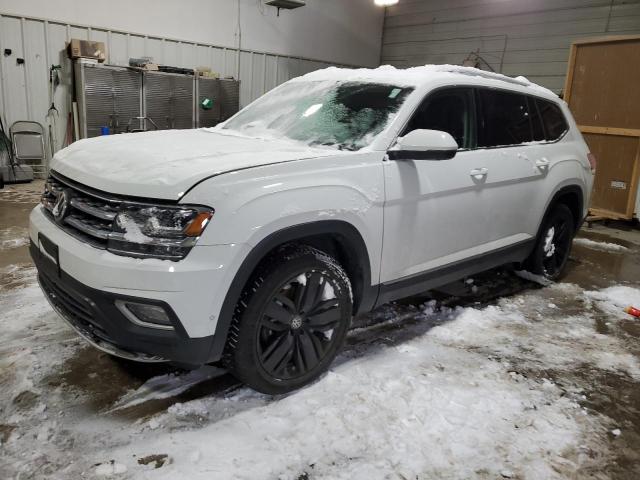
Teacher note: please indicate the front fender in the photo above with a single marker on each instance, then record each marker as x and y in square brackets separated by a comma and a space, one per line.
[268, 206]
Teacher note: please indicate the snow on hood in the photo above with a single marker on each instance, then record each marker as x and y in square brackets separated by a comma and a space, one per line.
[165, 164]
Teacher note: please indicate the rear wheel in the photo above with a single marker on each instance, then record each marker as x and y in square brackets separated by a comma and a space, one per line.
[551, 253]
[291, 320]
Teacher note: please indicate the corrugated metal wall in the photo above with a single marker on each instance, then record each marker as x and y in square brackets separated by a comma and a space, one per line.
[24, 88]
[517, 37]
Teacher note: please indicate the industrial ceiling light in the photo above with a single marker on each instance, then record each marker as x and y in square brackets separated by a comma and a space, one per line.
[286, 4]
[385, 3]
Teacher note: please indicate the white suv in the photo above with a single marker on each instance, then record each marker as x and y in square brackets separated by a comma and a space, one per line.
[255, 242]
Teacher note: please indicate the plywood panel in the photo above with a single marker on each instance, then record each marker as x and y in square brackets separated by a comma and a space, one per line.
[604, 86]
[614, 188]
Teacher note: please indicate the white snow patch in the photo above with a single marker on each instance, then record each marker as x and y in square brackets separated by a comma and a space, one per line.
[13, 237]
[435, 406]
[167, 386]
[194, 408]
[605, 246]
[413, 76]
[614, 300]
[14, 243]
[132, 231]
[328, 293]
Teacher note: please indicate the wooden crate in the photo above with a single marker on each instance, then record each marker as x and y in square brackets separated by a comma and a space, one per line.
[603, 92]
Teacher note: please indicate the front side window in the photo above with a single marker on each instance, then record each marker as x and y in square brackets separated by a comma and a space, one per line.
[503, 118]
[343, 115]
[448, 111]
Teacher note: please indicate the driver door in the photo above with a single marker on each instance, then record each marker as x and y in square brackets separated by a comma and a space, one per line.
[436, 211]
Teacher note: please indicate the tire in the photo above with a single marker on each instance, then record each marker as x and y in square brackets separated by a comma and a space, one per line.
[549, 258]
[290, 321]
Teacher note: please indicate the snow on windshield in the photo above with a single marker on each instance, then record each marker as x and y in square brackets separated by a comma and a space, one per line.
[344, 115]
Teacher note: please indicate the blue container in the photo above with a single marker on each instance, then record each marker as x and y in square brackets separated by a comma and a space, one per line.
[105, 131]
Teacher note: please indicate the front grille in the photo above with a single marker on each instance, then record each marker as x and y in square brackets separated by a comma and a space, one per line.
[75, 308]
[87, 215]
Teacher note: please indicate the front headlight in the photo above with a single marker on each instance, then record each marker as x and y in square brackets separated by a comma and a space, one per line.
[165, 232]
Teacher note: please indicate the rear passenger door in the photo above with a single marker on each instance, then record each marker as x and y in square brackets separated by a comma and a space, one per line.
[508, 128]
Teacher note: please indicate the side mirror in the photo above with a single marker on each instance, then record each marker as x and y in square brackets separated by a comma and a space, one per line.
[424, 145]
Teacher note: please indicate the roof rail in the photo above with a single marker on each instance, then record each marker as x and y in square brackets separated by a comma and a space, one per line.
[476, 72]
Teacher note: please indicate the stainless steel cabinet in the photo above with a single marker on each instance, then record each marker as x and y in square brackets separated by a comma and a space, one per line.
[126, 99]
[168, 100]
[108, 97]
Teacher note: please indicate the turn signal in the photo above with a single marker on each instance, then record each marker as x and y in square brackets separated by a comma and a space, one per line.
[196, 226]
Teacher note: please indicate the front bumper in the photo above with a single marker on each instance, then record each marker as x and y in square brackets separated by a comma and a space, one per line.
[93, 315]
[86, 282]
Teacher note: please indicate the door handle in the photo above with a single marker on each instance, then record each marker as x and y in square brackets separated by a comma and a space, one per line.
[542, 162]
[479, 172]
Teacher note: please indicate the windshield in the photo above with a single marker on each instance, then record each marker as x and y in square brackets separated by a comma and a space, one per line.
[344, 115]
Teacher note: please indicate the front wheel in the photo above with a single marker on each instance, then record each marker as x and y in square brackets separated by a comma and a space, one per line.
[551, 253]
[291, 320]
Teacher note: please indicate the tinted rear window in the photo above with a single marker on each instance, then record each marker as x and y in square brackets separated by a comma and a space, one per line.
[537, 127]
[555, 125]
[503, 118]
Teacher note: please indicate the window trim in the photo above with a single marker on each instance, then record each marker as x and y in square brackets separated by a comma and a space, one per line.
[536, 97]
[475, 88]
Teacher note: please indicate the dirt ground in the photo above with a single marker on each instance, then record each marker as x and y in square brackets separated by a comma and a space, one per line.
[54, 390]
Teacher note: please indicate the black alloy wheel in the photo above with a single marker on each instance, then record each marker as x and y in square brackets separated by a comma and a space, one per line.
[554, 243]
[297, 326]
[291, 320]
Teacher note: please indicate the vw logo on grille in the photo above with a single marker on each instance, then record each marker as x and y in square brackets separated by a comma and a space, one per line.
[61, 205]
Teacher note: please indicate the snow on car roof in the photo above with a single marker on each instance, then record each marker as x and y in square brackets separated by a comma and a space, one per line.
[415, 76]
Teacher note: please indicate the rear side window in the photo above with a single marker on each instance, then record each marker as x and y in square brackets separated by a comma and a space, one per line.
[555, 125]
[503, 118]
[537, 127]
[449, 111]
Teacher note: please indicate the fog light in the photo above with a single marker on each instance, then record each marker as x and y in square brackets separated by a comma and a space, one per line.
[145, 315]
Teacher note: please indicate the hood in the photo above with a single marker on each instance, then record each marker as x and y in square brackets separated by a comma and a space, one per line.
[165, 164]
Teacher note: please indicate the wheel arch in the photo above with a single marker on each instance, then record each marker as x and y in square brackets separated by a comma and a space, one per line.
[573, 197]
[336, 237]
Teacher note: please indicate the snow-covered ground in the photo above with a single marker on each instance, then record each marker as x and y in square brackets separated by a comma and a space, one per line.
[501, 377]
[605, 246]
[427, 390]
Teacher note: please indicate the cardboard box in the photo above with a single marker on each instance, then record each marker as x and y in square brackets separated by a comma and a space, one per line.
[87, 49]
